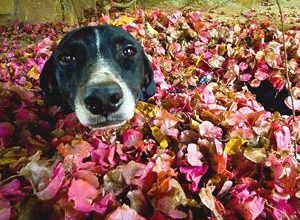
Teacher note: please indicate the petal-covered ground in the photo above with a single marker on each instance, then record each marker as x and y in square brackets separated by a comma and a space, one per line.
[202, 148]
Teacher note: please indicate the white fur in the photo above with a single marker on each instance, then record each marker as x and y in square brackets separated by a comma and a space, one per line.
[103, 73]
[97, 36]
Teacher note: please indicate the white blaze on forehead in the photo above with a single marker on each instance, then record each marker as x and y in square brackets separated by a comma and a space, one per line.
[101, 74]
[97, 41]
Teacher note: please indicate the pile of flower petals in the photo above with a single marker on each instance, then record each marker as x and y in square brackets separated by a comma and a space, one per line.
[200, 148]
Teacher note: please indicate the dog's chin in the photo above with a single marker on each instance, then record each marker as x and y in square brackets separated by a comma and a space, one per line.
[102, 123]
[107, 125]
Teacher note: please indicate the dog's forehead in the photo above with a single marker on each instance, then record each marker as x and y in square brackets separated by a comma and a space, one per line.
[109, 32]
[98, 35]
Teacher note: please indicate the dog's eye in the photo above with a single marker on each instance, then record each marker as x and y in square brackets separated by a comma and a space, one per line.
[66, 59]
[129, 51]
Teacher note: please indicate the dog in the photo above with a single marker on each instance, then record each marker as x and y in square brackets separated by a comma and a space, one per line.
[98, 72]
[271, 99]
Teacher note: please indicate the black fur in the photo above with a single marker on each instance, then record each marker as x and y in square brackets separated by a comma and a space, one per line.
[270, 98]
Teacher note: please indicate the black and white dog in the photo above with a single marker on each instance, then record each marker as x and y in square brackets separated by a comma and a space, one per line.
[99, 72]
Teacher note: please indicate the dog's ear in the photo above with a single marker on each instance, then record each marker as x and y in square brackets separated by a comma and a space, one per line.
[48, 83]
[149, 84]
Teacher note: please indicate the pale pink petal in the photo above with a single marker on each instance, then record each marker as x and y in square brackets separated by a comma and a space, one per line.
[194, 155]
[209, 130]
[254, 207]
[124, 213]
[283, 138]
[288, 102]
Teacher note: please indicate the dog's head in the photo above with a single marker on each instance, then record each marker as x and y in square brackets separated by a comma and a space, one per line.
[100, 73]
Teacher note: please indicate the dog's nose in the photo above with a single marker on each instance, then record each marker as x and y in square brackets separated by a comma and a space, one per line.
[104, 98]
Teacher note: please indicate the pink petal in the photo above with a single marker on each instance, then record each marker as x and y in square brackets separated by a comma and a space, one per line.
[234, 118]
[277, 80]
[284, 209]
[5, 209]
[254, 207]
[177, 214]
[131, 170]
[104, 154]
[283, 138]
[288, 102]
[207, 96]
[24, 115]
[131, 136]
[195, 16]
[263, 71]
[243, 66]
[55, 184]
[194, 174]
[104, 203]
[6, 129]
[138, 174]
[159, 216]
[146, 179]
[124, 213]
[82, 194]
[194, 155]
[11, 188]
[209, 130]
[12, 191]
[245, 77]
